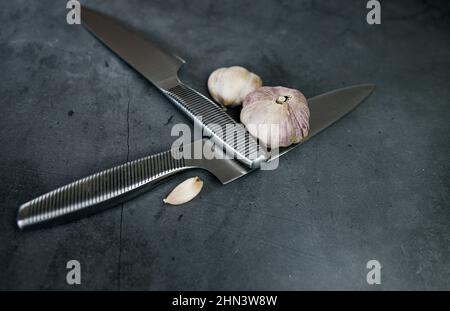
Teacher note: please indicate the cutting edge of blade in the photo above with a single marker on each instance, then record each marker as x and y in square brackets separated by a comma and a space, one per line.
[370, 88]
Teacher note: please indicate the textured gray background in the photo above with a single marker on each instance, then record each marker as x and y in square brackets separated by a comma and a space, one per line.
[374, 186]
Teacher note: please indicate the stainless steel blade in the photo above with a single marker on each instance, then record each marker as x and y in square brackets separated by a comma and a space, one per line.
[151, 61]
[329, 107]
[161, 69]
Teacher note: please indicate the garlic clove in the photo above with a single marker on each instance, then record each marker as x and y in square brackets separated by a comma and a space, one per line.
[185, 191]
[229, 86]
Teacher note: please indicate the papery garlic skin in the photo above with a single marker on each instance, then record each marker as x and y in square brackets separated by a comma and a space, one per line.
[185, 191]
[283, 107]
[229, 86]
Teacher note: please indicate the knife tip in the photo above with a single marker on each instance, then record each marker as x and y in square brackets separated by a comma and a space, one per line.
[367, 88]
[371, 86]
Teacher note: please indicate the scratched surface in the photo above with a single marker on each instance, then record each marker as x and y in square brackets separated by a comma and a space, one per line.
[374, 186]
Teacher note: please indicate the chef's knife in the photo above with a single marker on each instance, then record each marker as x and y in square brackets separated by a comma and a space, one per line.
[113, 186]
[161, 68]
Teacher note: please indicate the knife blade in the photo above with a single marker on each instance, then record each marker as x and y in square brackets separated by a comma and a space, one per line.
[116, 185]
[161, 68]
[327, 108]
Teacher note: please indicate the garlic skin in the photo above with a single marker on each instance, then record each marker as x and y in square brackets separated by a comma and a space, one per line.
[229, 86]
[185, 191]
[278, 105]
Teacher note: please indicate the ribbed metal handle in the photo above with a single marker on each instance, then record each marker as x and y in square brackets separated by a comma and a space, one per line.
[99, 191]
[222, 128]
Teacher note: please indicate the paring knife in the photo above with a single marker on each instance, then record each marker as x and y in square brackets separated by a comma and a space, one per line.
[116, 185]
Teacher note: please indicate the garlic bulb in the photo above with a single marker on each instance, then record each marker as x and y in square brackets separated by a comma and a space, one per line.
[185, 191]
[229, 86]
[277, 116]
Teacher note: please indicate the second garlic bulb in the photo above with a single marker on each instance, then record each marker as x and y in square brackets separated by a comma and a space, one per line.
[229, 86]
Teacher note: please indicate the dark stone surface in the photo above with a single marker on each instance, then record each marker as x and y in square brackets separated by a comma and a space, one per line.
[374, 186]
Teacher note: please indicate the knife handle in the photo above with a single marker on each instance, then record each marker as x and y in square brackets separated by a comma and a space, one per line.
[217, 124]
[99, 191]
